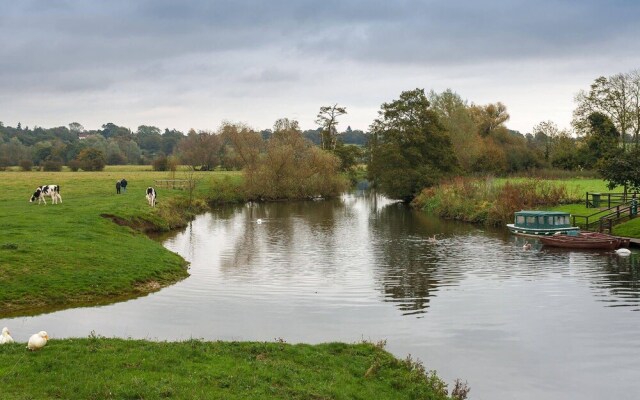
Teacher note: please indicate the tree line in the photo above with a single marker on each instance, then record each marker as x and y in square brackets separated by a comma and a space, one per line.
[420, 139]
[116, 145]
[417, 140]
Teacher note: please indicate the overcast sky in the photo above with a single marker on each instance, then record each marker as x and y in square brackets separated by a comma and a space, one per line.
[193, 64]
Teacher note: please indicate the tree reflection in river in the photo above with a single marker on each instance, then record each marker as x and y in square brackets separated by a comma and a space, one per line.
[621, 278]
[408, 261]
[286, 238]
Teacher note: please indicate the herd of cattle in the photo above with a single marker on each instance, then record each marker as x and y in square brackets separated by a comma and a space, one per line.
[53, 191]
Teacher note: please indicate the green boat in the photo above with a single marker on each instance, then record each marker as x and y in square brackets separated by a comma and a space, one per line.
[542, 223]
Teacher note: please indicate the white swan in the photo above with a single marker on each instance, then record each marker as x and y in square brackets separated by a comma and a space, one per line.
[623, 252]
[526, 246]
[259, 221]
[37, 340]
[6, 336]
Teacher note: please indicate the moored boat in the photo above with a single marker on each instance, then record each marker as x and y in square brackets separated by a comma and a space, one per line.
[542, 223]
[585, 240]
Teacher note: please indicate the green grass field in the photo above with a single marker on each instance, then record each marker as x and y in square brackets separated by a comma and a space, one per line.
[627, 229]
[64, 255]
[98, 368]
[576, 186]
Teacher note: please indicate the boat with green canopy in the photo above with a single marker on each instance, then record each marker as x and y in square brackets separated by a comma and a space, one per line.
[542, 223]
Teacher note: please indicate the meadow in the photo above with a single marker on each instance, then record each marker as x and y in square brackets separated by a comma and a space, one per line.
[73, 254]
[100, 368]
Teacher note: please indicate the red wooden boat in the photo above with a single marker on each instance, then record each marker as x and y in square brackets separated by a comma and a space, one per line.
[585, 240]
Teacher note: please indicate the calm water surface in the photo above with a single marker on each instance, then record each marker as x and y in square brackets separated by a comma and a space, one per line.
[515, 324]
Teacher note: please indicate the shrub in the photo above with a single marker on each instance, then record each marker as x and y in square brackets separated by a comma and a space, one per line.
[74, 165]
[4, 162]
[91, 159]
[116, 159]
[160, 163]
[294, 169]
[484, 201]
[26, 165]
[51, 165]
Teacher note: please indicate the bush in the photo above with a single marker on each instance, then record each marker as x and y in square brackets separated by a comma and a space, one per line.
[91, 160]
[116, 159]
[294, 169]
[484, 201]
[160, 163]
[26, 165]
[51, 165]
[4, 162]
[74, 165]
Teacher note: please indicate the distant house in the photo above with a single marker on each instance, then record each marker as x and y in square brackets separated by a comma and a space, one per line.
[83, 136]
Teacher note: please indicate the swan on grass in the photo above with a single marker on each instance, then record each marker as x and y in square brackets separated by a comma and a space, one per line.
[37, 340]
[6, 338]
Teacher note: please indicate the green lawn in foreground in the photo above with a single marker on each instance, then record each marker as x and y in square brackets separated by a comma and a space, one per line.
[98, 368]
[66, 254]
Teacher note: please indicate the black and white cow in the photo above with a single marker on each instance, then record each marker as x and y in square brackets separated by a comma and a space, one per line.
[47, 190]
[151, 196]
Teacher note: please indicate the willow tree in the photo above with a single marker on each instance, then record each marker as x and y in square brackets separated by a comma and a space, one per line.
[410, 150]
[285, 166]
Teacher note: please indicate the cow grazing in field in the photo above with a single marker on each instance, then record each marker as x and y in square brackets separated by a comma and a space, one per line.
[47, 190]
[151, 196]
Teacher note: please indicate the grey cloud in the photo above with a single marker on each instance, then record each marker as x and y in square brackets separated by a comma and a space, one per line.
[244, 46]
[125, 32]
[272, 75]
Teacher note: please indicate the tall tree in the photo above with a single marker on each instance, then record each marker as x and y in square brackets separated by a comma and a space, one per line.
[170, 139]
[601, 140]
[410, 150]
[634, 79]
[76, 127]
[489, 117]
[545, 133]
[201, 149]
[615, 97]
[242, 146]
[327, 118]
[149, 139]
[456, 118]
[622, 170]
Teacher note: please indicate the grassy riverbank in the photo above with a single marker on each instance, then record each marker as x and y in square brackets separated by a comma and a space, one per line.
[98, 368]
[71, 254]
[493, 201]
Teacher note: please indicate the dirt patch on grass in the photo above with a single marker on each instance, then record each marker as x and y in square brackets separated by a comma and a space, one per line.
[148, 287]
[137, 224]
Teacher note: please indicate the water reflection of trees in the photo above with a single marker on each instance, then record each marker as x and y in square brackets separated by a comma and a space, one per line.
[407, 261]
[622, 280]
[287, 233]
[614, 279]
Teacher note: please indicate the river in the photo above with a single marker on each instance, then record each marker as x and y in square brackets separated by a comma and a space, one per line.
[469, 303]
